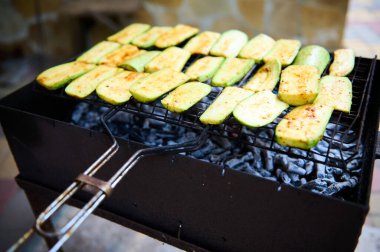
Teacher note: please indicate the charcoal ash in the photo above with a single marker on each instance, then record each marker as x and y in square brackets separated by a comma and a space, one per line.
[298, 172]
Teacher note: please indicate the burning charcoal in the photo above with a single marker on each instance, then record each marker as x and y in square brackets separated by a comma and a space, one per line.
[232, 163]
[271, 178]
[329, 178]
[345, 176]
[268, 161]
[294, 177]
[198, 154]
[278, 173]
[293, 168]
[316, 184]
[309, 167]
[242, 167]
[321, 172]
[352, 165]
[285, 178]
[265, 173]
[223, 142]
[281, 160]
[253, 172]
[303, 181]
[322, 147]
[339, 186]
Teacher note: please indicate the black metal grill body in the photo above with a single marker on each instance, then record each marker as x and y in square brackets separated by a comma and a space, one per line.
[229, 211]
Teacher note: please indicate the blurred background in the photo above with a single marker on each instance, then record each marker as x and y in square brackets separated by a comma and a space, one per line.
[36, 34]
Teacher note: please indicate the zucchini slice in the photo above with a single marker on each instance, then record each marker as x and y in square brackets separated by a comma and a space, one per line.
[116, 89]
[224, 104]
[344, 62]
[285, 50]
[176, 36]
[265, 78]
[304, 126]
[120, 55]
[98, 51]
[185, 96]
[148, 38]
[313, 55]
[204, 68]
[130, 32]
[157, 84]
[58, 76]
[86, 84]
[202, 43]
[231, 71]
[138, 62]
[335, 92]
[172, 57]
[299, 84]
[229, 44]
[259, 109]
[257, 48]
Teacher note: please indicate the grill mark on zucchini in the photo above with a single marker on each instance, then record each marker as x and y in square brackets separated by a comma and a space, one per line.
[204, 68]
[173, 57]
[285, 50]
[176, 36]
[202, 43]
[231, 71]
[120, 55]
[130, 32]
[265, 78]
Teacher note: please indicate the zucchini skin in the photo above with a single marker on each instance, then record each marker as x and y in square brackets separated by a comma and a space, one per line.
[229, 44]
[313, 55]
[257, 48]
[231, 71]
[98, 51]
[185, 96]
[204, 68]
[126, 35]
[176, 36]
[148, 38]
[173, 57]
[139, 62]
[344, 62]
[266, 78]
[285, 50]
[202, 43]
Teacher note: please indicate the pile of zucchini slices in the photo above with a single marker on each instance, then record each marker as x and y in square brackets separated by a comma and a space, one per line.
[147, 62]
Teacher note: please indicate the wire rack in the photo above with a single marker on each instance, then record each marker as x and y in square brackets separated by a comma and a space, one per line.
[340, 144]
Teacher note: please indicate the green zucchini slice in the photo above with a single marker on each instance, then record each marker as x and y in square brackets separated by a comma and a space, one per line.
[148, 38]
[116, 89]
[139, 62]
[313, 55]
[335, 92]
[204, 68]
[265, 78]
[259, 109]
[304, 126]
[344, 62]
[130, 32]
[285, 50]
[172, 57]
[98, 51]
[176, 36]
[231, 71]
[120, 55]
[185, 96]
[87, 83]
[58, 76]
[157, 84]
[257, 48]
[224, 104]
[229, 44]
[202, 43]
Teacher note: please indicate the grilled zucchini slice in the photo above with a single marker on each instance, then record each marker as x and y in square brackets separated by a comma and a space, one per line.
[156, 84]
[86, 84]
[304, 126]
[120, 55]
[224, 104]
[231, 71]
[285, 50]
[229, 44]
[148, 38]
[172, 57]
[116, 89]
[313, 55]
[58, 76]
[344, 62]
[176, 36]
[202, 43]
[204, 68]
[257, 48]
[299, 84]
[185, 96]
[335, 92]
[139, 62]
[259, 109]
[97, 52]
[130, 32]
[265, 78]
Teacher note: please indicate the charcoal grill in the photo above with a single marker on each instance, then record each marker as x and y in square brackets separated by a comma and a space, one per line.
[214, 208]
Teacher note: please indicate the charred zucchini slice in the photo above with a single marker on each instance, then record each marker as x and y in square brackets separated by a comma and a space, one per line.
[157, 84]
[257, 48]
[299, 84]
[97, 52]
[231, 71]
[265, 78]
[313, 55]
[224, 104]
[138, 63]
[116, 89]
[185, 96]
[130, 32]
[229, 44]
[176, 36]
[304, 126]
[259, 109]
[204, 68]
[87, 83]
[148, 38]
[284, 50]
[58, 76]
[172, 57]
[120, 55]
[335, 92]
[344, 62]
[202, 43]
